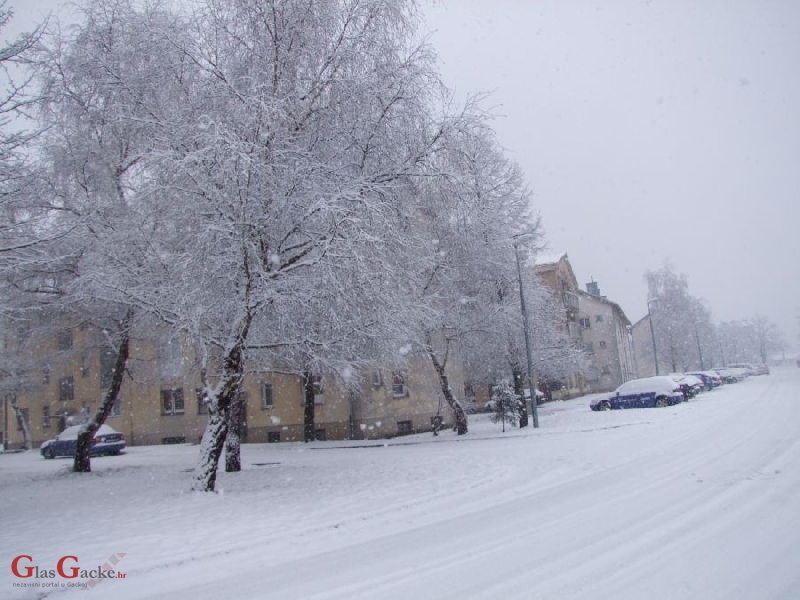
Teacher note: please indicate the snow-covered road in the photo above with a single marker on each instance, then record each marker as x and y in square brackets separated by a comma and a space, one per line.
[697, 501]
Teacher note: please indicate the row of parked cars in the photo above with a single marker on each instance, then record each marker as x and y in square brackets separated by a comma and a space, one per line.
[666, 390]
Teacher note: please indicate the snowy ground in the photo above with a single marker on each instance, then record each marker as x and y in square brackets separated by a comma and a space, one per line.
[700, 500]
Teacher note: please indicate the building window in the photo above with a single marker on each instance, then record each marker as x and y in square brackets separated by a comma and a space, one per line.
[405, 427]
[170, 358]
[172, 401]
[605, 370]
[586, 322]
[108, 360]
[268, 400]
[320, 435]
[589, 348]
[116, 407]
[399, 387]
[598, 318]
[84, 365]
[273, 437]
[319, 389]
[602, 344]
[66, 389]
[22, 415]
[45, 417]
[202, 405]
[46, 375]
[175, 439]
[64, 339]
[377, 378]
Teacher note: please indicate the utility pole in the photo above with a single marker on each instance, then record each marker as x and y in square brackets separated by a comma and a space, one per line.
[652, 331]
[531, 373]
[699, 349]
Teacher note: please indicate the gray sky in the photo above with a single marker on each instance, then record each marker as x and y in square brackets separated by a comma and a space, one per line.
[649, 130]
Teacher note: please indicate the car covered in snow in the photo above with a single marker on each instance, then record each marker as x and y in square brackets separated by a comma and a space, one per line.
[106, 441]
[710, 379]
[647, 392]
[748, 367]
[733, 374]
[691, 385]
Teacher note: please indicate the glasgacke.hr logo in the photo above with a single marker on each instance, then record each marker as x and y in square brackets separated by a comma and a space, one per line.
[67, 567]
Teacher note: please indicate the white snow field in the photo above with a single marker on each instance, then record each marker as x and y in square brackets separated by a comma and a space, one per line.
[699, 500]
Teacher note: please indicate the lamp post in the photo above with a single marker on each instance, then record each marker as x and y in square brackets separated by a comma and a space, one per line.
[531, 373]
[652, 331]
[699, 349]
[6, 398]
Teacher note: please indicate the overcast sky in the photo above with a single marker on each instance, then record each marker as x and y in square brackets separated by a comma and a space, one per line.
[649, 131]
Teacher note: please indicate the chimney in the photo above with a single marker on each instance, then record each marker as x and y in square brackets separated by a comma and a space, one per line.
[593, 288]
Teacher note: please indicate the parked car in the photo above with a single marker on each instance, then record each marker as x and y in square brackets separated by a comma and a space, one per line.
[691, 385]
[762, 369]
[648, 392]
[709, 381]
[732, 374]
[749, 369]
[106, 441]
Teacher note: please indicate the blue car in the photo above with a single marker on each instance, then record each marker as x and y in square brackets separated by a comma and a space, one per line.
[106, 441]
[648, 392]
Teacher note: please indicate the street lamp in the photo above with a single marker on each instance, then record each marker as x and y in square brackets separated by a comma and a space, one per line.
[652, 331]
[517, 239]
[699, 349]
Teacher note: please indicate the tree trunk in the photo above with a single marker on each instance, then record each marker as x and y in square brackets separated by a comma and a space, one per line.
[23, 424]
[233, 437]
[308, 407]
[461, 416]
[205, 474]
[82, 462]
[519, 393]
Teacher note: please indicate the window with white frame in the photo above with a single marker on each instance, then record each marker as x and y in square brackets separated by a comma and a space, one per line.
[377, 378]
[108, 360]
[267, 398]
[66, 389]
[586, 322]
[172, 401]
[116, 408]
[399, 384]
[319, 389]
[22, 415]
[202, 404]
[64, 339]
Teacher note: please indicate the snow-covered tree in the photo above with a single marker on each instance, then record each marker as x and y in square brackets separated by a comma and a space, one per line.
[287, 169]
[673, 312]
[100, 106]
[21, 210]
[506, 404]
[468, 218]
